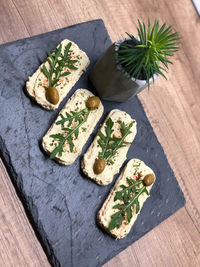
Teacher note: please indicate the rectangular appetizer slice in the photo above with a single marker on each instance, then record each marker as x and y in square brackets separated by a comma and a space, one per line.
[124, 203]
[108, 151]
[68, 134]
[57, 75]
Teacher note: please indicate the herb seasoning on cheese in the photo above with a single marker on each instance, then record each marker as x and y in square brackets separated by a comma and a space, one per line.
[60, 65]
[125, 201]
[57, 75]
[128, 197]
[73, 126]
[108, 151]
[110, 143]
[74, 121]
[70, 132]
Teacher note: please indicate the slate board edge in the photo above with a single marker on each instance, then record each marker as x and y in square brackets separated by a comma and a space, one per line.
[18, 187]
[17, 181]
[57, 30]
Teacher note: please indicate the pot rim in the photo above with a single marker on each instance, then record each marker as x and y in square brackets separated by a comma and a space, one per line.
[119, 66]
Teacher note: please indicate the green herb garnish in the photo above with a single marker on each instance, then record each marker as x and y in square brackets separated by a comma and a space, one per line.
[70, 118]
[84, 129]
[69, 133]
[136, 166]
[141, 58]
[128, 197]
[110, 143]
[57, 62]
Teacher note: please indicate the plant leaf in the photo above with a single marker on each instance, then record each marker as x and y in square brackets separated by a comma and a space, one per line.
[156, 45]
[68, 134]
[58, 63]
[109, 143]
[65, 74]
[45, 71]
[129, 198]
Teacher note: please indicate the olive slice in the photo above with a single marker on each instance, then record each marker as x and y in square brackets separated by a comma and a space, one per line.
[148, 179]
[99, 165]
[93, 102]
[52, 95]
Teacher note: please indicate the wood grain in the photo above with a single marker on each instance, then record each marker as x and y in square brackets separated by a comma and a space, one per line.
[18, 243]
[173, 108]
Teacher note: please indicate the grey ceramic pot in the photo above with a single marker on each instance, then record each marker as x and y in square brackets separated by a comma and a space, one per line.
[109, 80]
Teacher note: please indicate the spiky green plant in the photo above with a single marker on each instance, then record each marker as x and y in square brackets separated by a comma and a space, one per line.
[149, 55]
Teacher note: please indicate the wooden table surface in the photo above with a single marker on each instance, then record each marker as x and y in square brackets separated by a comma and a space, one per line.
[173, 108]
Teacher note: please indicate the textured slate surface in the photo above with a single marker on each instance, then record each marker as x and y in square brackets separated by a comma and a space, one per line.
[61, 203]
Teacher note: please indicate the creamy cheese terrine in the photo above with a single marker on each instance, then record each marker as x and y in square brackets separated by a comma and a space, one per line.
[120, 120]
[37, 84]
[134, 170]
[76, 117]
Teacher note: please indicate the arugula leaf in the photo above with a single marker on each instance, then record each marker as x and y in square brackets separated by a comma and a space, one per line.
[59, 148]
[109, 143]
[80, 117]
[70, 118]
[116, 221]
[45, 71]
[57, 63]
[128, 197]
[65, 74]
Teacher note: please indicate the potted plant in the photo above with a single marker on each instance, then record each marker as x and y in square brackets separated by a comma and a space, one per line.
[132, 64]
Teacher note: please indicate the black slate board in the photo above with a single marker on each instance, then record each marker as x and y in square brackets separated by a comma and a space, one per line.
[61, 203]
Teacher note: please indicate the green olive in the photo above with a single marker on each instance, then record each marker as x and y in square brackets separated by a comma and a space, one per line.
[93, 102]
[52, 95]
[99, 165]
[148, 179]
